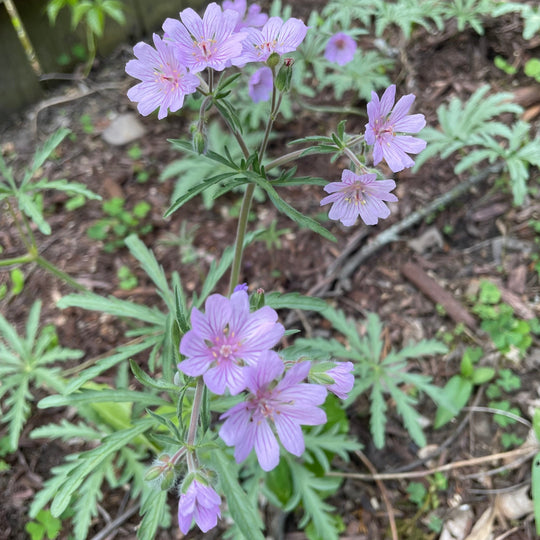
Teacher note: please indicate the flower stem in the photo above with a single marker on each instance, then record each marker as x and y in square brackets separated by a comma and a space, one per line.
[240, 236]
[357, 163]
[195, 411]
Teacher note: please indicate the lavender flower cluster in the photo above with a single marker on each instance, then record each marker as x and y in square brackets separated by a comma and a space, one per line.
[235, 35]
[229, 346]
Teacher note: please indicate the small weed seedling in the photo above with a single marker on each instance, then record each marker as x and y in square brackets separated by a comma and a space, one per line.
[427, 501]
[505, 383]
[459, 388]
[119, 223]
[511, 336]
[127, 280]
[44, 525]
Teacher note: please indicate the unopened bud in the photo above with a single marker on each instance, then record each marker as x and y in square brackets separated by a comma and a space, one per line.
[256, 300]
[168, 479]
[153, 473]
[198, 141]
[273, 60]
[284, 76]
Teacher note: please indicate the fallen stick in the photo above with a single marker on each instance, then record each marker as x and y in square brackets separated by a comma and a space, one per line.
[416, 275]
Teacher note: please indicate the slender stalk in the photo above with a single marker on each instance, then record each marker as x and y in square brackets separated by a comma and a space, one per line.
[292, 156]
[17, 260]
[248, 198]
[352, 156]
[44, 263]
[195, 411]
[276, 102]
[240, 236]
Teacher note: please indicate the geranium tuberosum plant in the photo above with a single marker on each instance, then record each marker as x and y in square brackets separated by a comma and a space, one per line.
[228, 410]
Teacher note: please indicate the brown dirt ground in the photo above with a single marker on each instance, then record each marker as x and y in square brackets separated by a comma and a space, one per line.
[435, 68]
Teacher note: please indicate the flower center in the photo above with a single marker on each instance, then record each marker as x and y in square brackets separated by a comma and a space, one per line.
[268, 46]
[226, 350]
[355, 194]
[206, 48]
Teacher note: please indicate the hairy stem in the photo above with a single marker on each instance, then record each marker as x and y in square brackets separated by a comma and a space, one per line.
[193, 423]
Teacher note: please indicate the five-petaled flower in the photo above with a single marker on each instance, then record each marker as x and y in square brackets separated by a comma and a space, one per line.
[275, 36]
[261, 84]
[227, 338]
[207, 42]
[359, 195]
[253, 17]
[165, 81]
[286, 405]
[384, 127]
[340, 49]
[343, 379]
[199, 502]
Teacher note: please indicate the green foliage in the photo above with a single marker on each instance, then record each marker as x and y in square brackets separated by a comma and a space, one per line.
[417, 493]
[469, 12]
[45, 524]
[507, 332]
[17, 281]
[119, 223]
[532, 68]
[362, 75]
[529, 13]
[127, 280]
[27, 362]
[459, 388]
[28, 192]
[92, 13]
[272, 236]
[379, 375]
[535, 490]
[247, 171]
[407, 15]
[503, 65]
[192, 168]
[87, 123]
[517, 153]
[459, 121]
[184, 241]
[472, 130]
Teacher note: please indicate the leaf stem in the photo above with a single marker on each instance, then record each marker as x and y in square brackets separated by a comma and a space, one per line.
[45, 264]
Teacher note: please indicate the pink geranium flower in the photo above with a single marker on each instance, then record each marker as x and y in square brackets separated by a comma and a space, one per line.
[284, 406]
[253, 17]
[343, 379]
[359, 195]
[385, 125]
[201, 503]
[227, 338]
[275, 36]
[261, 84]
[207, 42]
[340, 49]
[165, 81]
